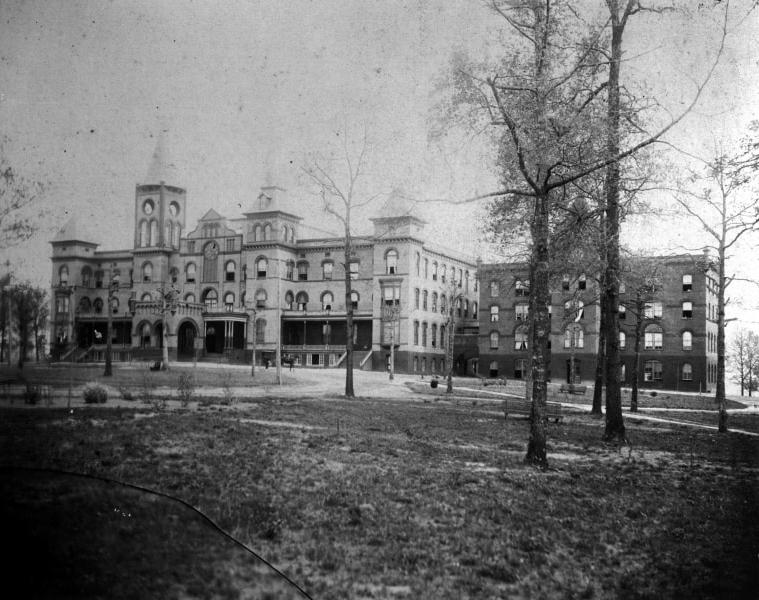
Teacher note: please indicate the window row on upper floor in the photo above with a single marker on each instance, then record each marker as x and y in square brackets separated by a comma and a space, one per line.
[655, 310]
[521, 287]
[423, 300]
[434, 270]
[264, 232]
[147, 234]
[437, 333]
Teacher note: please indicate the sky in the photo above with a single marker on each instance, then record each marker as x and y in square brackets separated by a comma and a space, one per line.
[247, 92]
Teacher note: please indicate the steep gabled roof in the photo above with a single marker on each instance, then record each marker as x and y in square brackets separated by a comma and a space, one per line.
[211, 215]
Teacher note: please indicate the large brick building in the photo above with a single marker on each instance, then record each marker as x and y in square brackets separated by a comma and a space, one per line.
[257, 279]
[679, 325]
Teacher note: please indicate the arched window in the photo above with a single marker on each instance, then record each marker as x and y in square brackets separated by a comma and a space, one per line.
[262, 266]
[426, 268]
[99, 278]
[176, 235]
[433, 305]
[189, 297]
[267, 232]
[289, 270]
[327, 268]
[466, 281]
[574, 337]
[520, 339]
[687, 286]
[494, 340]
[210, 299]
[146, 297]
[443, 304]
[434, 270]
[63, 275]
[354, 300]
[292, 234]
[418, 264]
[416, 333]
[582, 282]
[687, 372]
[145, 335]
[424, 333]
[327, 300]
[229, 270]
[260, 331]
[475, 314]
[86, 277]
[653, 337]
[229, 301]
[424, 299]
[153, 233]
[284, 233]
[144, 239]
[189, 272]
[466, 308]
[84, 305]
[687, 340]
[433, 335]
[301, 300]
[289, 300]
[442, 336]
[98, 306]
[147, 272]
[494, 289]
[261, 298]
[167, 232]
[622, 340]
[493, 368]
[391, 262]
[257, 235]
[442, 273]
[114, 305]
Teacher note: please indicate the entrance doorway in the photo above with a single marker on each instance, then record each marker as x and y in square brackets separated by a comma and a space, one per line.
[577, 374]
[186, 342]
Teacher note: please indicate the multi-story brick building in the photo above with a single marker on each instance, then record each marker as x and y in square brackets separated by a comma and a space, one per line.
[679, 325]
[260, 279]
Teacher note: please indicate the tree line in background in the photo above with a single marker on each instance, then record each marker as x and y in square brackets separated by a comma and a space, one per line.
[24, 312]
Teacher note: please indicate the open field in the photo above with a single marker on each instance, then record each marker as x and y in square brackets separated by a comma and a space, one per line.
[405, 498]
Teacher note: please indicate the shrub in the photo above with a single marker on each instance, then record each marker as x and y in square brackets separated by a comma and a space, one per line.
[94, 393]
[31, 394]
[185, 388]
[126, 393]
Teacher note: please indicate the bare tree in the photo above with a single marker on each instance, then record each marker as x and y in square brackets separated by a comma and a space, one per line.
[544, 102]
[744, 357]
[340, 197]
[18, 198]
[27, 302]
[719, 197]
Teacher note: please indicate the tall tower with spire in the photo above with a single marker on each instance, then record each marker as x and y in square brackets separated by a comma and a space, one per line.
[159, 206]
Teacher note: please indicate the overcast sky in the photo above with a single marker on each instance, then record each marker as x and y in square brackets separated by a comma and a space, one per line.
[246, 89]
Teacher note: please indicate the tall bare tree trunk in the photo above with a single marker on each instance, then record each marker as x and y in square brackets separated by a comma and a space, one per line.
[639, 311]
[615, 426]
[720, 392]
[349, 393]
[539, 331]
[598, 384]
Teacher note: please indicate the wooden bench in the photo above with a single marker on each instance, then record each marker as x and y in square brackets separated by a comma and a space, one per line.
[570, 388]
[520, 406]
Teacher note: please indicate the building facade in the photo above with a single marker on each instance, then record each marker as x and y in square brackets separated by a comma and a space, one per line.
[678, 345]
[238, 287]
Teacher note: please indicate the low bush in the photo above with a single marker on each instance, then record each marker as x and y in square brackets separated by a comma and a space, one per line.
[94, 393]
[185, 388]
[32, 394]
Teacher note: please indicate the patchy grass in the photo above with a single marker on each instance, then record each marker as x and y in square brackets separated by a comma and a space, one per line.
[384, 499]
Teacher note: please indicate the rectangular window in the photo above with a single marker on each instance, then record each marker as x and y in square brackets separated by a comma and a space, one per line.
[302, 271]
[622, 312]
[687, 282]
[354, 270]
[289, 268]
[416, 333]
[494, 314]
[494, 289]
[520, 312]
[190, 247]
[433, 335]
[327, 269]
[652, 310]
[520, 340]
[424, 334]
[230, 244]
[494, 340]
[687, 310]
[652, 340]
[652, 371]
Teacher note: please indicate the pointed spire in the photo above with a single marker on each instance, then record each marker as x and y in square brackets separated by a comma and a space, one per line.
[161, 168]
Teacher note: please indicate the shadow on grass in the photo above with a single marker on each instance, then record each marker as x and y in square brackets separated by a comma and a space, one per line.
[69, 536]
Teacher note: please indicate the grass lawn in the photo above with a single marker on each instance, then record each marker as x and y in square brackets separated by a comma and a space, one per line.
[394, 499]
